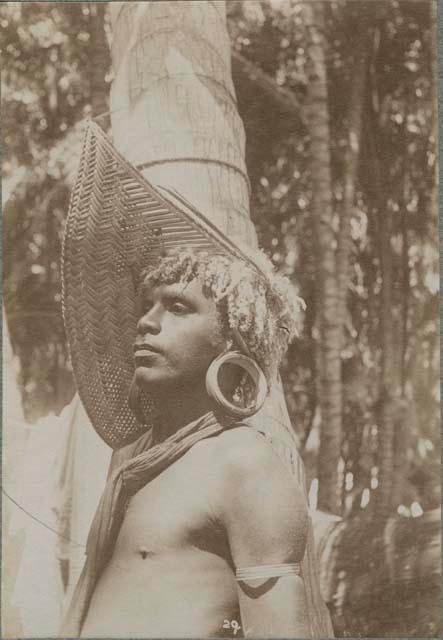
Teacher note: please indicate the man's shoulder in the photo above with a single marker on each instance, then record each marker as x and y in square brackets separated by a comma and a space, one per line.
[255, 487]
[242, 454]
[243, 449]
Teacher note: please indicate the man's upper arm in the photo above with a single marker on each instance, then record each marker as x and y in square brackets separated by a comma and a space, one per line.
[266, 520]
[261, 507]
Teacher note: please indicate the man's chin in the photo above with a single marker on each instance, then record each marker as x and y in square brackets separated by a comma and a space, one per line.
[147, 377]
[154, 380]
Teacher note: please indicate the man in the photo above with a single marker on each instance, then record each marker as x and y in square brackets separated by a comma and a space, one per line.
[202, 530]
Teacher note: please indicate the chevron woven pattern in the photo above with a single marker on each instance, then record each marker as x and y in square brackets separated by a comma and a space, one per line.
[118, 224]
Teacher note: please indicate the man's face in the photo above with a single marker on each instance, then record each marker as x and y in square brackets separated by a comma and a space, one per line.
[178, 336]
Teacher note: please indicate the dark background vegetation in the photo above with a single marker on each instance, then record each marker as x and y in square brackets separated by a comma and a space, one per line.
[339, 104]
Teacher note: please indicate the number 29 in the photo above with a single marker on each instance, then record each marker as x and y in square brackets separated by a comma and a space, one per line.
[231, 624]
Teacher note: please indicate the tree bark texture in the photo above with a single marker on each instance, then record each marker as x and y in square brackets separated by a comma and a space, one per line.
[434, 25]
[99, 58]
[173, 85]
[327, 291]
[387, 386]
[351, 160]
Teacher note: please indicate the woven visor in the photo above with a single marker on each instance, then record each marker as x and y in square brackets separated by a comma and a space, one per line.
[118, 224]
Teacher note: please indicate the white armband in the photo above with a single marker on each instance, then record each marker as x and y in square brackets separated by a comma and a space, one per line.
[268, 571]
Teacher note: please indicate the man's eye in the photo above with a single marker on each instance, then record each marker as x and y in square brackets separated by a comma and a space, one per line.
[179, 308]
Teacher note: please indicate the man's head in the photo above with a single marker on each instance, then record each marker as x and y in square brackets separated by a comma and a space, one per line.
[195, 305]
[178, 336]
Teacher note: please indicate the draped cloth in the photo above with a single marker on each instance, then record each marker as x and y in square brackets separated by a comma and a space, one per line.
[140, 463]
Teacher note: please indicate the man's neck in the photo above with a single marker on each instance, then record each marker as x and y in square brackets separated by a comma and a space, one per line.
[179, 409]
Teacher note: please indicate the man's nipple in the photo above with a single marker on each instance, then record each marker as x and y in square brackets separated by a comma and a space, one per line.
[145, 553]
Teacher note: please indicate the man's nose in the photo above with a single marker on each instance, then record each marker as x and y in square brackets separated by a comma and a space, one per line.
[149, 323]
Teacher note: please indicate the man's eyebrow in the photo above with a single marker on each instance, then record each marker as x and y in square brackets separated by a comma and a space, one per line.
[179, 295]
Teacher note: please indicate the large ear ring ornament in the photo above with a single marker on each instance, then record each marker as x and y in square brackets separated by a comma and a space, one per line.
[251, 367]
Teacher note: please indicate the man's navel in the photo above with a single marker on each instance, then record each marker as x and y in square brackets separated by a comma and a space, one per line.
[145, 553]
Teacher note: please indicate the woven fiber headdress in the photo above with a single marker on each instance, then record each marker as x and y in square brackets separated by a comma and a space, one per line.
[118, 225]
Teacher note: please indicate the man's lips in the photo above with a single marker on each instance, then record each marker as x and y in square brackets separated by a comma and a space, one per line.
[143, 349]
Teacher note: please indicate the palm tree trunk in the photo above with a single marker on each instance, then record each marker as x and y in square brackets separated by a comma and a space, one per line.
[352, 155]
[383, 217]
[327, 292]
[173, 106]
[99, 57]
[434, 69]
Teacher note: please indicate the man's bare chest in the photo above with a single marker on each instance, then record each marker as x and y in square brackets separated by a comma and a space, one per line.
[173, 512]
[170, 555]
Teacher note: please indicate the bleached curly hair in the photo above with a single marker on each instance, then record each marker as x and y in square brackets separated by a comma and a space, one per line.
[258, 303]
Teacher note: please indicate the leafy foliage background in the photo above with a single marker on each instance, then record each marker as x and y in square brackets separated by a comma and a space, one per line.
[56, 71]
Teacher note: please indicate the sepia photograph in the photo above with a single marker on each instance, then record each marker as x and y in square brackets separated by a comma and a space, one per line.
[221, 329]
